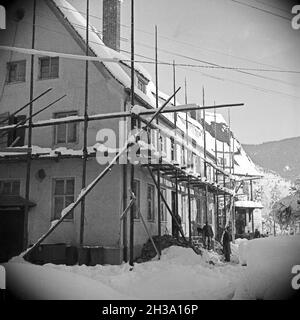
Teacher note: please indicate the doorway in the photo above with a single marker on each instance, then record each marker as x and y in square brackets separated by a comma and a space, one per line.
[11, 233]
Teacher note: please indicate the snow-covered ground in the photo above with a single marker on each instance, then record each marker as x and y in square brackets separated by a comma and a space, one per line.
[180, 274]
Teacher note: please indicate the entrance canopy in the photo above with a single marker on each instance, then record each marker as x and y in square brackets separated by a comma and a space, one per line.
[248, 204]
[10, 201]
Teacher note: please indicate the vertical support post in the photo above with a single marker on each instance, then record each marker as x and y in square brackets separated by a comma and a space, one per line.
[185, 92]
[85, 129]
[218, 221]
[225, 213]
[158, 146]
[28, 163]
[251, 190]
[174, 85]
[216, 144]
[133, 119]
[233, 145]
[176, 196]
[229, 139]
[190, 211]
[158, 211]
[125, 256]
[206, 203]
[224, 182]
[204, 133]
[205, 163]
[233, 221]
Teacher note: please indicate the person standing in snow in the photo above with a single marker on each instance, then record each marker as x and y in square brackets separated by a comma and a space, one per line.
[256, 233]
[207, 235]
[226, 244]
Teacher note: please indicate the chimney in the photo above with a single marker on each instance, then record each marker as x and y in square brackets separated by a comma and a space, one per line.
[111, 23]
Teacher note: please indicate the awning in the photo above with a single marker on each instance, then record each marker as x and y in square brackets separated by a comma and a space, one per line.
[248, 204]
[9, 201]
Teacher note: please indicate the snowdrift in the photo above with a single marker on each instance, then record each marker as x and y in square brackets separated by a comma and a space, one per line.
[32, 282]
[269, 264]
[180, 274]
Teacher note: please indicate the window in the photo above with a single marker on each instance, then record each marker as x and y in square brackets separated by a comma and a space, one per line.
[193, 114]
[136, 205]
[15, 137]
[163, 209]
[16, 71]
[63, 196]
[153, 138]
[65, 132]
[163, 140]
[150, 202]
[182, 155]
[194, 143]
[141, 85]
[172, 149]
[193, 163]
[10, 187]
[222, 161]
[4, 121]
[49, 67]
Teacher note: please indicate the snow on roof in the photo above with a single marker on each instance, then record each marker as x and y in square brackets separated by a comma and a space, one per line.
[96, 44]
[48, 152]
[195, 129]
[126, 60]
[210, 117]
[243, 164]
[248, 204]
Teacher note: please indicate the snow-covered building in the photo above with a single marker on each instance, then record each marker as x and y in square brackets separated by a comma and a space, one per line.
[56, 166]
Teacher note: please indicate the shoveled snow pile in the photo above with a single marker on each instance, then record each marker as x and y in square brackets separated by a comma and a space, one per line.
[179, 274]
[28, 281]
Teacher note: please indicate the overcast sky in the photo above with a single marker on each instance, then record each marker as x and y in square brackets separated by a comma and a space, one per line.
[227, 33]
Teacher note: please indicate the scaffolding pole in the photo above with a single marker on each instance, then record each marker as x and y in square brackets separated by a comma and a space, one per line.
[28, 164]
[133, 120]
[116, 115]
[189, 210]
[27, 104]
[158, 147]
[65, 212]
[85, 128]
[171, 213]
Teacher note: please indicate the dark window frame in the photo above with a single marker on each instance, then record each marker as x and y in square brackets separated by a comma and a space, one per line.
[50, 66]
[18, 78]
[11, 182]
[63, 114]
[151, 201]
[65, 195]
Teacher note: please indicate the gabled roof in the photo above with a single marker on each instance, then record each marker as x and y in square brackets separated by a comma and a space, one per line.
[244, 165]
